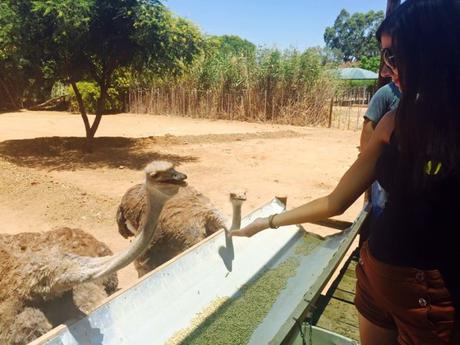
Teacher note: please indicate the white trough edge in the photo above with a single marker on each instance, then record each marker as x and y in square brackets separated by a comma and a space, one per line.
[172, 291]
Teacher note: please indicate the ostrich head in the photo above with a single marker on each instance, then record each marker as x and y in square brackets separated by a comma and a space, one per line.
[238, 197]
[162, 177]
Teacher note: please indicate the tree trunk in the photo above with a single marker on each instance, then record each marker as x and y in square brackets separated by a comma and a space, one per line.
[100, 107]
[89, 129]
[81, 106]
[99, 110]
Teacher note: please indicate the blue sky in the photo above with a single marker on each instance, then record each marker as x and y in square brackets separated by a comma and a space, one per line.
[283, 24]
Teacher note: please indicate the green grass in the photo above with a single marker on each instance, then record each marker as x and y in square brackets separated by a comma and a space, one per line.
[233, 320]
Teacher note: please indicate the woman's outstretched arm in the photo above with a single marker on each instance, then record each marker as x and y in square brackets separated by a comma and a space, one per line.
[352, 184]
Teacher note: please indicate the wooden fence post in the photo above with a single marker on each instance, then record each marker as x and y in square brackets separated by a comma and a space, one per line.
[331, 107]
[265, 106]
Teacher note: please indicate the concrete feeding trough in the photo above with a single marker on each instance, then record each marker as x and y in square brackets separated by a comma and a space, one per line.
[221, 291]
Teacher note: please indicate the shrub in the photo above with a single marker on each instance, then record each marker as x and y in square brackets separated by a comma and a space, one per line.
[90, 93]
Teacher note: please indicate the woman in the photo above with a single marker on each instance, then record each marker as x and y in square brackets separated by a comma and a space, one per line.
[408, 291]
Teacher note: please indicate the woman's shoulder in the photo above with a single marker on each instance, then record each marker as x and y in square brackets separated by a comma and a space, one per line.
[385, 127]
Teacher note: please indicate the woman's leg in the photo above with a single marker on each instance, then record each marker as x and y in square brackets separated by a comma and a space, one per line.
[371, 334]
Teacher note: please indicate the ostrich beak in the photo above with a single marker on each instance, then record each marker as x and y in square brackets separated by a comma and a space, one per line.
[179, 178]
[238, 196]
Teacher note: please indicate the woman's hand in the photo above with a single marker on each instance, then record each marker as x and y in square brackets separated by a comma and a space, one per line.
[249, 230]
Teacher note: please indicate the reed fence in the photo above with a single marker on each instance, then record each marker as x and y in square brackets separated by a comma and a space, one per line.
[320, 107]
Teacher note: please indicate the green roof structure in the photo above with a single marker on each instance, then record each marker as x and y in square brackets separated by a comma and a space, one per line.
[353, 73]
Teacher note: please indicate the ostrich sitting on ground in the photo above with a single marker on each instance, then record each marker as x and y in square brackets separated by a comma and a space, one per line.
[186, 219]
[32, 319]
[35, 277]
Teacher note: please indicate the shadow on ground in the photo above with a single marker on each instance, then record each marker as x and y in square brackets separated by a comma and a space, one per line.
[66, 153]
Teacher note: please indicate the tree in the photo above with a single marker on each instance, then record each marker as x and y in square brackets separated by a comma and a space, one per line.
[17, 73]
[370, 63]
[232, 45]
[224, 64]
[330, 57]
[94, 40]
[9, 58]
[354, 35]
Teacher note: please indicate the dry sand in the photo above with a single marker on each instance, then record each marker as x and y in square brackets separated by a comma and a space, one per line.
[46, 182]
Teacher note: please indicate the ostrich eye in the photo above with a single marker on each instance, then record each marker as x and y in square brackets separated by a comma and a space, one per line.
[154, 176]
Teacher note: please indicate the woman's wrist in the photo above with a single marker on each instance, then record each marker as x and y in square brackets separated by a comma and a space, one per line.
[271, 223]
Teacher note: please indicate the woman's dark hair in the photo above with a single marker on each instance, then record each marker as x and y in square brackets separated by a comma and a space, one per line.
[426, 45]
[384, 28]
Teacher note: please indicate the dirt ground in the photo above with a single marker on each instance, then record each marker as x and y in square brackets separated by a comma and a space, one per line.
[46, 182]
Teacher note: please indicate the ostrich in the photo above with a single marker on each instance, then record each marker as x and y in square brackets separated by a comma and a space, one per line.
[186, 219]
[68, 240]
[39, 275]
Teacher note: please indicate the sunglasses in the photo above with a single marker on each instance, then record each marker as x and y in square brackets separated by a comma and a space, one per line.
[389, 58]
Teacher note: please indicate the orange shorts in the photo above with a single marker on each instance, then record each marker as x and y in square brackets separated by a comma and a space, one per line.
[414, 302]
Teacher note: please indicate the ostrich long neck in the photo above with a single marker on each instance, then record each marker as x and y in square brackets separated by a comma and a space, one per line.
[155, 201]
[236, 219]
[74, 269]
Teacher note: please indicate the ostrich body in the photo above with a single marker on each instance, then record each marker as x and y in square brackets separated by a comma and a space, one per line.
[62, 265]
[62, 240]
[186, 219]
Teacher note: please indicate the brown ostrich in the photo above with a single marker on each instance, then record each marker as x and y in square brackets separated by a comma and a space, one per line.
[52, 275]
[186, 219]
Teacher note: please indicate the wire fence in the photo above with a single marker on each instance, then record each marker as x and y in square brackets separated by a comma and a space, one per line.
[350, 106]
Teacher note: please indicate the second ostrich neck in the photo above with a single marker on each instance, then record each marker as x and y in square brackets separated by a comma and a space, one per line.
[236, 219]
